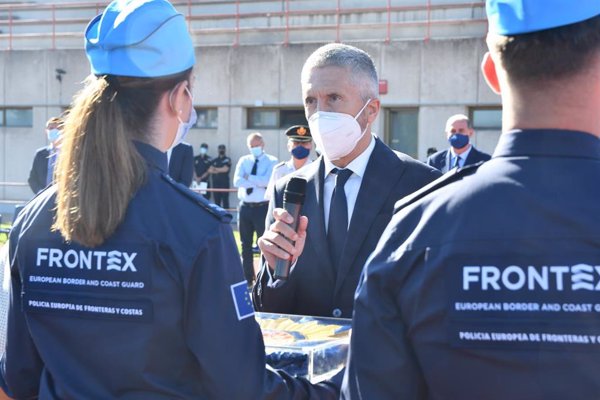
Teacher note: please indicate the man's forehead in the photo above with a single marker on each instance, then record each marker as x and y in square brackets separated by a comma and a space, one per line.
[457, 124]
[326, 78]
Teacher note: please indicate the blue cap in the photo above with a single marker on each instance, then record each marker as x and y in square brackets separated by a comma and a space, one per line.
[515, 17]
[139, 38]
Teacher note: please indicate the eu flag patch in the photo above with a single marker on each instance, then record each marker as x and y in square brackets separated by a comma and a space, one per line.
[242, 300]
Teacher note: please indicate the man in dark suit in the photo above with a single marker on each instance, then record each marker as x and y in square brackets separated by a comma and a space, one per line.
[461, 152]
[181, 163]
[350, 194]
[42, 169]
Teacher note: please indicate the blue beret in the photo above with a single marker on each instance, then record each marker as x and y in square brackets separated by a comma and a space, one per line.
[139, 38]
[515, 17]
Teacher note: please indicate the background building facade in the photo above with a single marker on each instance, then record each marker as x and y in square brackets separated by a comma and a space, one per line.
[250, 54]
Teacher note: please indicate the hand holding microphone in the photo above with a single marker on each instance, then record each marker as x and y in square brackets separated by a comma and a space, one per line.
[284, 239]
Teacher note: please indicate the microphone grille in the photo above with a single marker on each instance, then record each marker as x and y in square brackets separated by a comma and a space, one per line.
[295, 190]
[296, 185]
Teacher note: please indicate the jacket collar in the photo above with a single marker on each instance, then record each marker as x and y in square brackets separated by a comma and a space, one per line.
[548, 142]
[152, 155]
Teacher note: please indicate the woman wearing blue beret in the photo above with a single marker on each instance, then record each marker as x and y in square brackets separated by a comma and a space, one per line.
[125, 284]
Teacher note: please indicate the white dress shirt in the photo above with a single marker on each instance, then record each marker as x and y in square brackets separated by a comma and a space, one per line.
[281, 170]
[352, 187]
[242, 179]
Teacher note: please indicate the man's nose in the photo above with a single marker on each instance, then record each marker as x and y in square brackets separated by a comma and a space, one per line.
[322, 106]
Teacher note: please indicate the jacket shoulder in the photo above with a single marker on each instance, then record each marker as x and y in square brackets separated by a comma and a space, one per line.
[416, 167]
[42, 152]
[436, 158]
[482, 155]
[212, 209]
[439, 183]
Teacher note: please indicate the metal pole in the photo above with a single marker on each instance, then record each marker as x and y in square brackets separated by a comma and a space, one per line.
[428, 34]
[287, 22]
[10, 23]
[189, 16]
[53, 27]
[389, 22]
[237, 24]
[337, 37]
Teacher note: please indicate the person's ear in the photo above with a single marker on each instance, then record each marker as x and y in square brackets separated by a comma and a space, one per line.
[372, 110]
[178, 98]
[488, 68]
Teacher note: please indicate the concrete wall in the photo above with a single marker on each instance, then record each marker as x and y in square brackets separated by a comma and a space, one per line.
[439, 77]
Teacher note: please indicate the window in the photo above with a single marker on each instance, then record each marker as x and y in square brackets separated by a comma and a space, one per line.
[16, 117]
[486, 118]
[208, 118]
[271, 118]
[403, 130]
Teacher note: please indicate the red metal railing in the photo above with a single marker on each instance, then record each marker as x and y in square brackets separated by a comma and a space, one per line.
[232, 21]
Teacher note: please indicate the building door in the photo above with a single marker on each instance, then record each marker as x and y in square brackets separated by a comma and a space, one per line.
[403, 130]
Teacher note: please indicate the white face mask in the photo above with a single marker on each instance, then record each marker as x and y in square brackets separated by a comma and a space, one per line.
[336, 134]
[184, 127]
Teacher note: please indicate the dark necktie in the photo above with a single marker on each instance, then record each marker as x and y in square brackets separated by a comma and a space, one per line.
[338, 216]
[253, 172]
[456, 162]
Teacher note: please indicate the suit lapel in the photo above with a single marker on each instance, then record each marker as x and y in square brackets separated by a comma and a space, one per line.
[472, 157]
[383, 168]
[448, 160]
[316, 236]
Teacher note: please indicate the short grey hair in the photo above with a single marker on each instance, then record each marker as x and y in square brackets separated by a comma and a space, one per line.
[355, 60]
[458, 117]
[252, 136]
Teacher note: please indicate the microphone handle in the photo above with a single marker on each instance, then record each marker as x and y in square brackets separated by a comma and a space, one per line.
[282, 267]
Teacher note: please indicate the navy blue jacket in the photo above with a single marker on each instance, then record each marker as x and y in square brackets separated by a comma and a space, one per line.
[441, 159]
[181, 164]
[488, 287]
[155, 312]
[314, 286]
[39, 170]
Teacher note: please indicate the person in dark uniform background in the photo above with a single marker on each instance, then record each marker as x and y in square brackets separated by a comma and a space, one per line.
[461, 152]
[299, 145]
[350, 193]
[181, 162]
[431, 151]
[486, 288]
[42, 169]
[124, 283]
[202, 163]
[219, 172]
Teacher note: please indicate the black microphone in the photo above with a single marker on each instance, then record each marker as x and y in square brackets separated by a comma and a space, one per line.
[293, 198]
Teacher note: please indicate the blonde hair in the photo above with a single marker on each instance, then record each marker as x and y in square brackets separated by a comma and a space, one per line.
[99, 170]
[54, 121]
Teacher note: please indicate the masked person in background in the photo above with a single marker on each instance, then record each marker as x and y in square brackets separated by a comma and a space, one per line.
[124, 283]
[219, 172]
[461, 152]
[350, 194]
[299, 145]
[202, 163]
[251, 177]
[42, 169]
